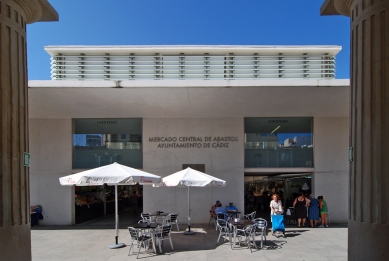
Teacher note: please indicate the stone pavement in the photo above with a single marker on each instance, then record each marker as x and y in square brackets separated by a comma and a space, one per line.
[90, 241]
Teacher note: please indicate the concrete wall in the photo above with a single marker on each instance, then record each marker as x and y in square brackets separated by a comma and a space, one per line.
[331, 177]
[224, 163]
[51, 158]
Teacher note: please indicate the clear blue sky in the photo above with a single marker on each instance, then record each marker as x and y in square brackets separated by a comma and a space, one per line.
[205, 22]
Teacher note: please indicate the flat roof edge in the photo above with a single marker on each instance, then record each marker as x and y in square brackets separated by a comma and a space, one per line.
[189, 49]
[189, 83]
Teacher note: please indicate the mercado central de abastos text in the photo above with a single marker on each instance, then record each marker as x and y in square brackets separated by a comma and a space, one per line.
[193, 142]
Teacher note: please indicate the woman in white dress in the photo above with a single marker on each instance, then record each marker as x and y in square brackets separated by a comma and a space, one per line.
[275, 205]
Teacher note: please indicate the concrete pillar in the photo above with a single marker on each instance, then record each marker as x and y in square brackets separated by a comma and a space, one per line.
[15, 239]
[369, 126]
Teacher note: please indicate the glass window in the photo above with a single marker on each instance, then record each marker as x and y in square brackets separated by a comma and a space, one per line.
[99, 142]
[278, 142]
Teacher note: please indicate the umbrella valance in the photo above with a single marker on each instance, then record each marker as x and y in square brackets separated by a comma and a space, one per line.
[192, 178]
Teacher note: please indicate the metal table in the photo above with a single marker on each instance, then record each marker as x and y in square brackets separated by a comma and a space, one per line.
[152, 227]
[241, 223]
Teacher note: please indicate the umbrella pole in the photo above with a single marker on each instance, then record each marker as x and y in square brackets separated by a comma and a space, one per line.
[116, 245]
[189, 232]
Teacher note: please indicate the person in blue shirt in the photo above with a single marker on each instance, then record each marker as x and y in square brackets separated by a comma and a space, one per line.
[220, 209]
[231, 207]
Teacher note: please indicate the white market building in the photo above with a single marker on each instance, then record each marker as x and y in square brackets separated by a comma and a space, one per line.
[245, 114]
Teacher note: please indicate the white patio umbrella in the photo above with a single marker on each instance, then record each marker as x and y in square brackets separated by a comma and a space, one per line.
[191, 178]
[112, 174]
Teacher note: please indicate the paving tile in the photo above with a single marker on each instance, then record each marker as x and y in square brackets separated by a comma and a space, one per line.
[90, 242]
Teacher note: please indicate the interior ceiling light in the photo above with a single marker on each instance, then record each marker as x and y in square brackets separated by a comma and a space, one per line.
[276, 129]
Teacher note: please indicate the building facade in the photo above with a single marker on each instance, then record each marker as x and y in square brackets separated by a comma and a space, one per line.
[247, 114]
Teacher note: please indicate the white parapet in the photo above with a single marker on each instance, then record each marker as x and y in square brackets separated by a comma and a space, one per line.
[191, 62]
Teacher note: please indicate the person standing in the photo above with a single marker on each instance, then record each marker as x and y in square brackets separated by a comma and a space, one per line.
[323, 211]
[300, 207]
[313, 211]
[276, 211]
[275, 205]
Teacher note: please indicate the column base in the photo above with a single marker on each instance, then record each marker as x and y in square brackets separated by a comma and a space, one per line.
[368, 241]
[15, 243]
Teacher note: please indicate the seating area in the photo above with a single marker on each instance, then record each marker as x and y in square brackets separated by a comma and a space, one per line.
[204, 242]
[152, 229]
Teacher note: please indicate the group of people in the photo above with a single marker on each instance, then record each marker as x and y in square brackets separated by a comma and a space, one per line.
[315, 208]
[218, 208]
[304, 207]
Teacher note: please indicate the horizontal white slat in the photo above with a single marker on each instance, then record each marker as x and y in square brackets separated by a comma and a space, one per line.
[191, 67]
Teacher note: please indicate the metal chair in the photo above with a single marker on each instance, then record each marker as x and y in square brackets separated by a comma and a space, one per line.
[145, 216]
[246, 234]
[172, 218]
[261, 228]
[250, 216]
[138, 238]
[146, 232]
[161, 220]
[220, 215]
[224, 230]
[163, 234]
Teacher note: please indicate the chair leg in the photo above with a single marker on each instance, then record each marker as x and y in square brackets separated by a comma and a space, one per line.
[139, 245]
[132, 242]
[219, 236]
[159, 243]
[178, 229]
[171, 243]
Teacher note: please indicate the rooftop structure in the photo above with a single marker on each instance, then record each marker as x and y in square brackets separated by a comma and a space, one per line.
[172, 62]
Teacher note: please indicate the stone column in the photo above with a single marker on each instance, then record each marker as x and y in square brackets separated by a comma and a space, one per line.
[369, 126]
[15, 239]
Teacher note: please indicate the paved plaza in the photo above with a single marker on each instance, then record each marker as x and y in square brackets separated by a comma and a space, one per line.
[90, 241]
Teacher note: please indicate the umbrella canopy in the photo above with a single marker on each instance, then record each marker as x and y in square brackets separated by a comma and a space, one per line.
[191, 178]
[112, 174]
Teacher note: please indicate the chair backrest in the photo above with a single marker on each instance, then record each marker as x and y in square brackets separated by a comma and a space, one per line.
[249, 230]
[165, 230]
[160, 220]
[134, 233]
[260, 222]
[145, 216]
[221, 215]
[253, 214]
[221, 223]
[173, 217]
[142, 221]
